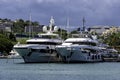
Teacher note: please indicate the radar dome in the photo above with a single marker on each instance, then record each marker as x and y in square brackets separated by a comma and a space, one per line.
[44, 28]
[55, 28]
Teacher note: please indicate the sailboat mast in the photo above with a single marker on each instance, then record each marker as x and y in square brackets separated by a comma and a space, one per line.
[30, 28]
[83, 23]
[68, 25]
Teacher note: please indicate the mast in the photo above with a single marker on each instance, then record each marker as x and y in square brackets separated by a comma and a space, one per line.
[30, 28]
[83, 23]
[68, 25]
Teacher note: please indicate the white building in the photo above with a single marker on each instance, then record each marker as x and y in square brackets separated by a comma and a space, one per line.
[99, 29]
[6, 26]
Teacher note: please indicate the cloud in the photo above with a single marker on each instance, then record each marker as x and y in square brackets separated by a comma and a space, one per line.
[51, 1]
[96, 12]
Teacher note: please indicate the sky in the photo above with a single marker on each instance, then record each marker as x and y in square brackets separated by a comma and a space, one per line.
[95, 12]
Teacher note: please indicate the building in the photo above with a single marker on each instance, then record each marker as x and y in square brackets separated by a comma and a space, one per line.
[6, 26]
[34, 29]
[99, 29]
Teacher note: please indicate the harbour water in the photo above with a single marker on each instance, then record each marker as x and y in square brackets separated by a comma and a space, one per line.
[16, 69]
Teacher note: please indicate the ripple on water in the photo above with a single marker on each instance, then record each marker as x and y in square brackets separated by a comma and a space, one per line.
[17, 70]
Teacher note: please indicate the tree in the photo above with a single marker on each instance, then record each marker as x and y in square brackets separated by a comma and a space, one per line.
[12, 37]
[35, 23]
[111, 37]
[18, 26]
[5, 44]
[74, 32]
[62, 33]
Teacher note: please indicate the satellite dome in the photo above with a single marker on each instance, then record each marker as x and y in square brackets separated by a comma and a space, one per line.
[44, 28]
[55, 28]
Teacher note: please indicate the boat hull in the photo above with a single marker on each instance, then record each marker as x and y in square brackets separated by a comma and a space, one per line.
[36, 56]
[74, 54]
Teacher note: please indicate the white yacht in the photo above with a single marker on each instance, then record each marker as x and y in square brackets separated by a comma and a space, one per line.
[41, 49]
[80, 48]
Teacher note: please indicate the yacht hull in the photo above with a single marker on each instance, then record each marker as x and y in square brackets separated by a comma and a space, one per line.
[36, 56]
[74, 54]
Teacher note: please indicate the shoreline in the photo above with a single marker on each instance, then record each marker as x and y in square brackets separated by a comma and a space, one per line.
[3, 57]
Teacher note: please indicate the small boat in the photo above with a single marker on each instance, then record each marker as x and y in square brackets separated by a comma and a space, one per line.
[14, 55]
[109, 54]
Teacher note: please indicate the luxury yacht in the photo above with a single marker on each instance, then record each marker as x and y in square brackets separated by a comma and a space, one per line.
[41, 49]
[80, 48]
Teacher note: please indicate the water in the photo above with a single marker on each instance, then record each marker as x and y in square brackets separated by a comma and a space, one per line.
[17, 70]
